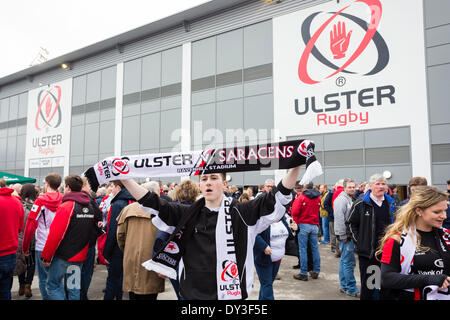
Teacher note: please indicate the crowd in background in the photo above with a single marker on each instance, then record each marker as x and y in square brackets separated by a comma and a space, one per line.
[47, 240]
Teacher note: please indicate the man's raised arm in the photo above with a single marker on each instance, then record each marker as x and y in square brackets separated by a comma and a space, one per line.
[136, 190]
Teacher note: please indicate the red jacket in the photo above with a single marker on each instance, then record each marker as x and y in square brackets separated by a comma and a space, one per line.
[11, 221]
[40, 219]
[72, 229]
[306, 207]
[337, 191]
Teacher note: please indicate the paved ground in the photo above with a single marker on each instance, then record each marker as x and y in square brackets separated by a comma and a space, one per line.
[326, 287]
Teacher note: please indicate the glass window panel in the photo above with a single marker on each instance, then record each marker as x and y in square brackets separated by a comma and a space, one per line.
[13, 107]
[4, 110]
[258, 44]
[79, 91]
[132, 76]
[3, 143]
[130, 133]
[11, 149]
[77, 141]
[151, 71]
[91, 139]
[229, 115]
[93, 87]
[150, 124]
[171, 66]
[108, 87]
[23, 105]
[258, 113]
[92, 112]
[229, 51]
[107, 130]
[170, 133]
[20, 150]
[204, 58]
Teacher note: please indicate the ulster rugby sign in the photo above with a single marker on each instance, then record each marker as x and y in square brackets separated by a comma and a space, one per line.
[352, 65]
[48, 126]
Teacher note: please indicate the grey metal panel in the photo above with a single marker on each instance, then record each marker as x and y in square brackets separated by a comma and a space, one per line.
[438, 55]
[229, 92]
[257, 177]
[387, 137]
[440, 152]
[440, 133]
[438, 36]
[256, 87]
[251, 12]
[332, 175]
[400, 174]
[439, 94]
[229, 59]
[343, 157]
[258, 113]
[440, 173]
[344, 140]
[437, 12]
[390, 155]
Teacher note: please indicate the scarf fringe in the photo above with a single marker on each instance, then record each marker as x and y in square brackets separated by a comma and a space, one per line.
[312, 171]
[160, 268]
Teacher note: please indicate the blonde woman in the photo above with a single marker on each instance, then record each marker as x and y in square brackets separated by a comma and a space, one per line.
[415, 261]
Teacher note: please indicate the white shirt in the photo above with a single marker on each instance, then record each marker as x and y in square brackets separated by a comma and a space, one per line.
[278, 236]
[378, 202]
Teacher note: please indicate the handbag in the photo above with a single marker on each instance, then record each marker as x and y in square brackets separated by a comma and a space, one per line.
[291, 247]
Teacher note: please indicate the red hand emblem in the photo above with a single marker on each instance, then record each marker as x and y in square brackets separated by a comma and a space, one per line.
[339, 40]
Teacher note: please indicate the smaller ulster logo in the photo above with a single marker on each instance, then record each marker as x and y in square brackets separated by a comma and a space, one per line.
[172, 248]
[120, 166]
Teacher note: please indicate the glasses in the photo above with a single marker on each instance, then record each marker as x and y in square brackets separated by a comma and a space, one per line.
[269, 186]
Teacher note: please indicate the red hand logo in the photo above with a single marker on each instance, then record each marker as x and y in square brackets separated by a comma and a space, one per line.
[339, 40]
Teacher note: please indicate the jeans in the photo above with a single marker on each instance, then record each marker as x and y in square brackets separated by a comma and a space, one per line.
[86, 272]
[266, 276]
[325, 230]
[333, 239]
[308, 232]
[347, 268]
[7, 265]
[55, 281]
[114, 280]
[42, 275]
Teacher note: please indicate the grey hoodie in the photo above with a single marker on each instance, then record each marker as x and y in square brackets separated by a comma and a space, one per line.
[342, 205]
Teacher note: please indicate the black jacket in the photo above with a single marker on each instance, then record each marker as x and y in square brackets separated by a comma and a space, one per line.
[198, 273]
[120, 201]
[362, 224]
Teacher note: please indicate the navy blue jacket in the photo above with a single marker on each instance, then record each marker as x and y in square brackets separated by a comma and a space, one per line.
[262, 241]
[120, 201]
[327, 204]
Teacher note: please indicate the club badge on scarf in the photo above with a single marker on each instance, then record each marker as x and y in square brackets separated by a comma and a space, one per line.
[272, 156]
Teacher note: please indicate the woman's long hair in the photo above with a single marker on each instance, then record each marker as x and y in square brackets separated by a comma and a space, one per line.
[422, 198]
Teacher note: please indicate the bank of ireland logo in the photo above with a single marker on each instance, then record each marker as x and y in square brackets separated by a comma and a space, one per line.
[120, 166]
[49, 108]
[230, 270]
[340, 36]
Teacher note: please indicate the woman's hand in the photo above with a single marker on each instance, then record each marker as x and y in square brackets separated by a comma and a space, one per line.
[268, 251]
[446, 284]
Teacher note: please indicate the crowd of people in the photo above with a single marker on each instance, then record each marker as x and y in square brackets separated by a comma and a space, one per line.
[60, 231]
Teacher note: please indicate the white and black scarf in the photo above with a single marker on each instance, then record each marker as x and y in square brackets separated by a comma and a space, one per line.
[408, 245]
[273, 156]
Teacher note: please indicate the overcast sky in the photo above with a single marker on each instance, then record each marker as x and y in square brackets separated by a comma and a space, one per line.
[62, 26]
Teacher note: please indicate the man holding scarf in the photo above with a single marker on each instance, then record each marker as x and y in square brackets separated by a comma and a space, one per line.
[216, 243]
[211, 241]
